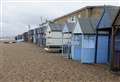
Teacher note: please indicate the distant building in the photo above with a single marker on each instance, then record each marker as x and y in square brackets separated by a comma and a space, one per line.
[85, 12]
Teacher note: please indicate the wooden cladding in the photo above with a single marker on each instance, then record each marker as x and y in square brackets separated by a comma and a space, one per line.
[115, 45]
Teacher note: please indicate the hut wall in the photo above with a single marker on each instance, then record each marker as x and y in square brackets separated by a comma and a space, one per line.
[38, 36]
[30, 34]
[41, 40]
[117, 52]
[67, 44]
[34, 37]
[76, 47]
[54, 39]
[25, 36]
[66, 38]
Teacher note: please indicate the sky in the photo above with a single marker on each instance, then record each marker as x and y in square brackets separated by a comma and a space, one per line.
[15, 15]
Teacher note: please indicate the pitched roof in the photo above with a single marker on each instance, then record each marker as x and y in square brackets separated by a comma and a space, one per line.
[108, 17]
[71, 26]
[87, 25]
[117, 19]
[56, 27]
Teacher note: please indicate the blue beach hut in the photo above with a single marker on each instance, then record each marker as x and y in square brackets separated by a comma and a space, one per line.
[83, 40]
[103, 32]
[88, 40]
[67, 34]
[76, 42]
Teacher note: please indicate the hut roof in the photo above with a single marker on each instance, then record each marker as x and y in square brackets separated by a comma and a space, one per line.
[108, 17]
[71, 26]
[87, 25]
[56, 27]
[117, 20]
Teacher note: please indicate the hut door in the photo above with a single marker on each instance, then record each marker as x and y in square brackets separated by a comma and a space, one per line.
[102, 50]
[88, 49]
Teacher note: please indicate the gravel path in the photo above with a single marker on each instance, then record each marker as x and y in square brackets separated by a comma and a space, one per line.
[24, 62]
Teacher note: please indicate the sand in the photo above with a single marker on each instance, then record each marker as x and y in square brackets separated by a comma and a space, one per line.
[25, 62]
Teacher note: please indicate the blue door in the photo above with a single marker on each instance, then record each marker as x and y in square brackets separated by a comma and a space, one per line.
[102, 50]
[88, 50]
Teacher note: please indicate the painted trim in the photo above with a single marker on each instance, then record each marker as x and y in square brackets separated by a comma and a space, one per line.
[109, 42]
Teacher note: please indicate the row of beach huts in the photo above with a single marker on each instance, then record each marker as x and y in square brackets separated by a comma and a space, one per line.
[90, 35]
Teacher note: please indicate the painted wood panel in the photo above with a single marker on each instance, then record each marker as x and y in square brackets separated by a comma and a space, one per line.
[102, 50]
[76, 53]
[88, 49]
[76, 47]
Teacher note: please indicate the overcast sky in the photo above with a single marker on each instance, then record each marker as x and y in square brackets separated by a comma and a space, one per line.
[17, 14]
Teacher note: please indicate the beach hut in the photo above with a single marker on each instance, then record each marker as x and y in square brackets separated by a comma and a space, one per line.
[25, 36]
[34, 36]
[88, 40]
[110, 23]
[76, 43]
[67, 34]
[83, 41]
[19, 38]
[103, 35]
[40, 36]
[115, 44]
[30, 35]
[42, 39]
[116, 52]
[37, 35]
[53, 36]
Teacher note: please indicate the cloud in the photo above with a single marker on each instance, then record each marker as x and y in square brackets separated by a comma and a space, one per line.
[16, 15]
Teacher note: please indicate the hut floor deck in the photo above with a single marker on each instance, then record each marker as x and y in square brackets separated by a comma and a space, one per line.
[25, 62]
